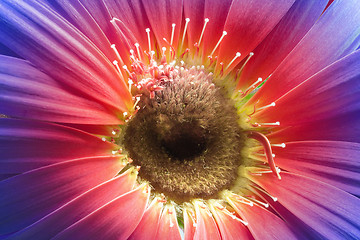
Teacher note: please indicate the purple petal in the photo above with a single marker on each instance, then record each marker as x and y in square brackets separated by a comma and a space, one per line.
[335, 35]
[26, 145]
[26, 92]
[59, 49]
[30, 196]
[115, 220]
[78, 208]
[326, 209]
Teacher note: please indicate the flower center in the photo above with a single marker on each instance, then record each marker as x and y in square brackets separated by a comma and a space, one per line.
[186, 138]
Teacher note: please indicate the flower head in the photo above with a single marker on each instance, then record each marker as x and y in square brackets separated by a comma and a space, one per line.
[179, 119]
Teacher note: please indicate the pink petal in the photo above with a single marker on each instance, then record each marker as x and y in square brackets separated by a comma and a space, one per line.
[147, 227]
[332, 92]
[281, 40]
[189, 224]
[194, 10]
[328, 40]
[168, 227]
[78, 208]
[26, 92]
[61, 51]
[262, 223]
[26, 145]
[248, 23]
[115, 220]
[230, 226]
[30, 196]
[332, 162]
[206, 227]
[162, 14]
[324, 208]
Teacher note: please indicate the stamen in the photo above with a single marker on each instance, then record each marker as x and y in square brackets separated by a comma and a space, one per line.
[265, 192]
[187, 20]
[269, 105]
[127, 70]
[267, 147]
[263, 154]
[137, 45]
[172, 33]
[202, 32]
[283, 145]
[237, 55]
[259, 80]
[218, 43]
[137, 101]
[266, 205]
[117, 54]
[148, 36]
[268, 124]
[118, 68]
[250, 55]
[130, 82]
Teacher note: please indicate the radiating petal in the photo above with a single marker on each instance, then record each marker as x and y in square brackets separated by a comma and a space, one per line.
[331, 92]
[60, 50]
[206, 227]
[332, 162]
[326, 209]
[189, 224]
[26, 145]
[248, 23]
[281, 40]
[194, 10]
[30, 196]
[336, 129]
[26, 92]
[75, 12]
[261, 223]
[162, 14]
[147, 227]
[78, 208]
[330, 39]
[230, 227]
[168, 227]
[115, 220]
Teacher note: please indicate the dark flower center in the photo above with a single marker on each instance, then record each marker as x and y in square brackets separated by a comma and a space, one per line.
[186, 139]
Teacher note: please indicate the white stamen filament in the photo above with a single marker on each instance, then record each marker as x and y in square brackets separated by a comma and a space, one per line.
[283, 145]
[163, 51]
[269, 105]
[187, 20]
[148, 36]
[137, 101]
[137, 45]
[218, 43]
[118, 68]
[203, 30]
[265, 192]
[263, 154]
[250, 55]
[117, 54]
[259, 80]
[237, 55]
[266, 205]
[269, 124]
[130, 82]
[172, 34]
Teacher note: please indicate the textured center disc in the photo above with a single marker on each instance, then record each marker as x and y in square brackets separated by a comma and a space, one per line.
[186, 139]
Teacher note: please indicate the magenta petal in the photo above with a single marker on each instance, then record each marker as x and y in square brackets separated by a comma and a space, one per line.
[230, 227]
[115, 220]
[327, 210]
[63, 52]
[26, 145]
[162, 14]
[78, 208]
[248, 23]
[206, 227]
[333, 91]
[281, 40]
[26, 92]
[335, 35]
[262, 223]
[332, 162]
[194, 10]
[168, 227]
[30, 196]
[147, 227]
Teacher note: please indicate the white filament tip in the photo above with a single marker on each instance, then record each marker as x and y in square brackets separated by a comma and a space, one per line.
[238, 54]
[147, 30]
[251, 53]
[207, 20]
[187, 19]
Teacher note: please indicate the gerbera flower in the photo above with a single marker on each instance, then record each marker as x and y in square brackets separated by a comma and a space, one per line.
[179, 119]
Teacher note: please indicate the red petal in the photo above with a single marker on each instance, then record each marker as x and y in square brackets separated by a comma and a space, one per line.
[168, 227]
[206, 227]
